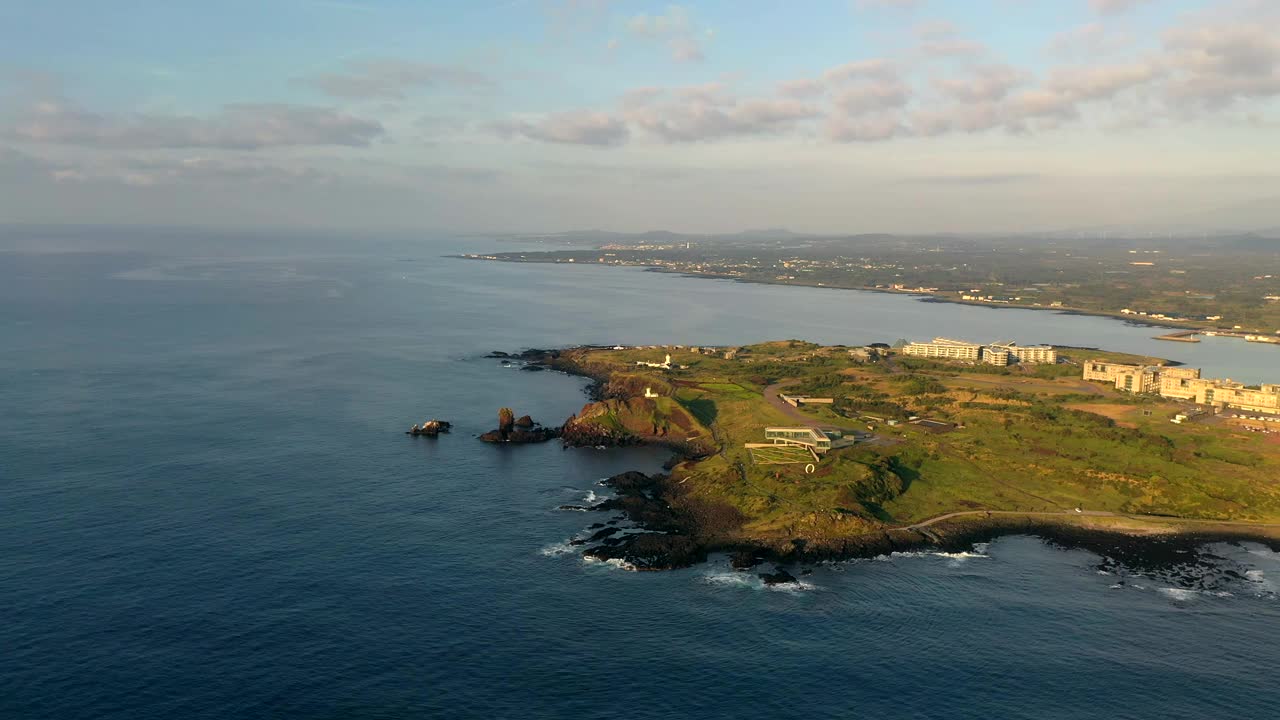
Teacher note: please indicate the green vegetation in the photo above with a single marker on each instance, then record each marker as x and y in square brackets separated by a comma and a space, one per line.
[1008, 439]
[1219, 282]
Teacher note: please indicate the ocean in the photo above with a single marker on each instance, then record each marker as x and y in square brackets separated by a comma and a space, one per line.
[210, 510]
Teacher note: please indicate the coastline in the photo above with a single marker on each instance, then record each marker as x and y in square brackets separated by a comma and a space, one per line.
[671, 541]
[674, 532]
[922, 296]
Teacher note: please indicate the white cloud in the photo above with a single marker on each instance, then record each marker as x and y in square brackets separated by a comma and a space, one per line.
[675, 28]
[985, 84]
[237, 127]
[1114, 7]
[393, 79]
[581, 127]
[1216, 65]
[874, 68]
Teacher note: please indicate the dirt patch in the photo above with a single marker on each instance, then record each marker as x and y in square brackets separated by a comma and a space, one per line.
[1122, 414]
[1023, 384]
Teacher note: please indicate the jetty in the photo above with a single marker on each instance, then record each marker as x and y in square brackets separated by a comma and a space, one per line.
[1181, 336]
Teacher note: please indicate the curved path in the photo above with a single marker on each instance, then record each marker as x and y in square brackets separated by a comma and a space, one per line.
[772, 393]
[1083, 513]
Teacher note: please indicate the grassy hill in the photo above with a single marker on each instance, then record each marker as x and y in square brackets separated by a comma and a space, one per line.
[1034, 440]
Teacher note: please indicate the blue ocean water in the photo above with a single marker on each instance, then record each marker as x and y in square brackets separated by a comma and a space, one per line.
[208, 510]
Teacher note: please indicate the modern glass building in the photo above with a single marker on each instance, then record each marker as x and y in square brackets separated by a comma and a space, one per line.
[803, 436]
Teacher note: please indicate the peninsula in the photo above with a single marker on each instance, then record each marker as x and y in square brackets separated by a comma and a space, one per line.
[1227, 285]
[794, 451]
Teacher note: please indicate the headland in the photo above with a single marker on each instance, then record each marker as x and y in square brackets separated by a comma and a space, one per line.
[794, 452]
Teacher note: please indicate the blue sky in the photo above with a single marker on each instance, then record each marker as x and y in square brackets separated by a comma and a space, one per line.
[830, 116]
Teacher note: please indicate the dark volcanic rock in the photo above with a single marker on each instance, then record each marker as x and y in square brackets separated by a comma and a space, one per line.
[522, 431]
[536, 435]
[744, 560]
[533, 368]
[631, 482]
[778, 577]
[648, 551]
[430, 428]
[602, 534]
[498, 354]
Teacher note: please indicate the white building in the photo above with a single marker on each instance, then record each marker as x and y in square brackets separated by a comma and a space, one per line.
[946, 349]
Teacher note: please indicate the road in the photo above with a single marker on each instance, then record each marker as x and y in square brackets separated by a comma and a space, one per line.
[771, 395]
[1084, 513]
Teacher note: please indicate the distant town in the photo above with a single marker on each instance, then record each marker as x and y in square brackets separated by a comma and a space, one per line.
[1229, 285]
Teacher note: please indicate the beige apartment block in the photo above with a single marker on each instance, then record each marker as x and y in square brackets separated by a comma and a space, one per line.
[994, 355]
[1029, 354]
[942, 348]
[1237, 396]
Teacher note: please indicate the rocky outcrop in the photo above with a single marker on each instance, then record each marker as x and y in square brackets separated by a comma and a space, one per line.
[637, 421]
[430, 428]
[530, 355]
[779, 576]
[522, 431]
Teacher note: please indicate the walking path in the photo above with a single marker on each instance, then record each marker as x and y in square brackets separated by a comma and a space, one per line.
[1082, 513]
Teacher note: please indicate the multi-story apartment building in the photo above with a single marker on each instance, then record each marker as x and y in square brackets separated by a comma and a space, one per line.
[1185, 384]
[1182, 383]
[1130, 378]
[942, 348]
[1000, 354]
[995, 355]
[1029, 354]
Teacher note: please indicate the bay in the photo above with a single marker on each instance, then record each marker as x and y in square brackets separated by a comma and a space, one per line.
[210, 511]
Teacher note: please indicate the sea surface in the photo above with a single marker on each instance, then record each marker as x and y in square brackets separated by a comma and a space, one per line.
[208, 509]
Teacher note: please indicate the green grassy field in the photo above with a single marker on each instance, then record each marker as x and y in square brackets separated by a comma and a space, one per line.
[780, 455]
[1024, 441]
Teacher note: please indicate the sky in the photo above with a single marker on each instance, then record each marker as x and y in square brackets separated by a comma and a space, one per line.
[830, 116]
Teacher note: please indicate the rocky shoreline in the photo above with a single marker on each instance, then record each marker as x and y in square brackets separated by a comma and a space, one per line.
[673, 530]
[668, 538]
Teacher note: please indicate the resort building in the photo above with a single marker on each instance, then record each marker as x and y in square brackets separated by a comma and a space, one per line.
[798, 400]
[994, 355]
[1182, 383]
[942, 348]
[811, 438]
[1029, 354]
[1179, 383]
[1228, 394]
[999, 354]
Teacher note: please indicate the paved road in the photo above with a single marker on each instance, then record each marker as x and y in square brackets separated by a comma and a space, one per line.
[1085, 513]
[771, 394]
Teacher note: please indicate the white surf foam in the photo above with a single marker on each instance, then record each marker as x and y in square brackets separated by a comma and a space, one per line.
[732, 579]
[954, 556]
[562, 548]
[752, 581]
[617, 563]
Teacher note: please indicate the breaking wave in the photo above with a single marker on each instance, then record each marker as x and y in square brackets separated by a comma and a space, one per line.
[735, 579]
